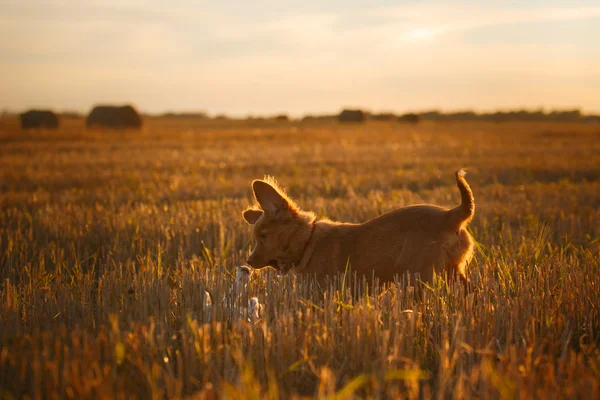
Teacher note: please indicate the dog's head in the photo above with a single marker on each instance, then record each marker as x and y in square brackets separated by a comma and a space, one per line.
[277, 223]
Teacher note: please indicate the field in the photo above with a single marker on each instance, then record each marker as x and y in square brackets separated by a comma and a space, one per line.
[109, 239]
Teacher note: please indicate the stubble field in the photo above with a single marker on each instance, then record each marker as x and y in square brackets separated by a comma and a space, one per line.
[109, 239]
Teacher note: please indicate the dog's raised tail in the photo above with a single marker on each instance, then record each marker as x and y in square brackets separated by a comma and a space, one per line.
[462, 215]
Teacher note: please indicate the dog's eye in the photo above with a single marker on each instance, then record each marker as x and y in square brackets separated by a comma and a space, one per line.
[262, 235]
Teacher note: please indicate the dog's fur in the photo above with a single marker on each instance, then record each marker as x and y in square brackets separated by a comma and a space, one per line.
[417, 239]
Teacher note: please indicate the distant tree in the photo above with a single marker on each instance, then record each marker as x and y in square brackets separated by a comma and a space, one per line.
[431, 115]
[188, 114]
[281, 118]
[252, 118]
[567, 115]
[463, 116]
[411, 118]
[383, 117]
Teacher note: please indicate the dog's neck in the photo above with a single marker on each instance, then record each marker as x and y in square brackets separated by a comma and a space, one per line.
[302, 257]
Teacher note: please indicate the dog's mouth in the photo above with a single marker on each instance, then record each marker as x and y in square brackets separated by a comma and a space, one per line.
[280, 268]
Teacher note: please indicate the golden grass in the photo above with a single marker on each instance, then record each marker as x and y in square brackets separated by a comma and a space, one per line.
[108, 240]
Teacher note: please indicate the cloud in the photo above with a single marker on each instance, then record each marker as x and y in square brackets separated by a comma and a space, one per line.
[143, 29]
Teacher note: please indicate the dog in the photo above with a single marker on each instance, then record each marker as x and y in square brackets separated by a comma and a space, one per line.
[418, 239]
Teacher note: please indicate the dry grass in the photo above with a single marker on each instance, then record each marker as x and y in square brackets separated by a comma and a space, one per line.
[107, 241]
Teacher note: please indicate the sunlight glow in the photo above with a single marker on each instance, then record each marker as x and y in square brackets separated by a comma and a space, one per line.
[422, 34]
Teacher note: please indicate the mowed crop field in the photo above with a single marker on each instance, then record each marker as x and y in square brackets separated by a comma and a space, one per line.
[109, 239]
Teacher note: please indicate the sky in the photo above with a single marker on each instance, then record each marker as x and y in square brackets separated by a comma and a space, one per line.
[267, 57]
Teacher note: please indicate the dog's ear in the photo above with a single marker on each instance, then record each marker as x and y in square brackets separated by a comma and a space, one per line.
[251, 216]
[269, 198]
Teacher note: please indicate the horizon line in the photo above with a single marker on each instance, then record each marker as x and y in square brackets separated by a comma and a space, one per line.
[212, 114]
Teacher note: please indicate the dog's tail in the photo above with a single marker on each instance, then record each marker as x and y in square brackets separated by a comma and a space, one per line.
[463, 214]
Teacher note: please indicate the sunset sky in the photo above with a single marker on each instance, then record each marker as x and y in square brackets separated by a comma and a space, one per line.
[267, 57]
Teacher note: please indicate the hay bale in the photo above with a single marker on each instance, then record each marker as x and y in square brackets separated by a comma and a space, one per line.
[33, 119]
[116, 117]
[282, 118]
[410, 118]
[351, 116]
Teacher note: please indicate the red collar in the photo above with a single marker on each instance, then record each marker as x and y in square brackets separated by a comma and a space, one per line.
[312, 231]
